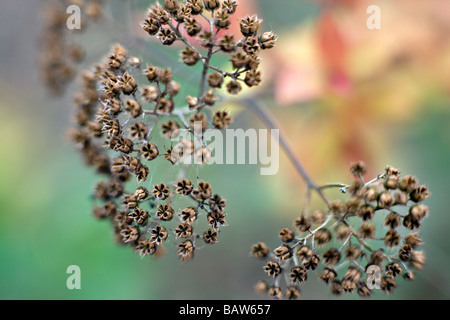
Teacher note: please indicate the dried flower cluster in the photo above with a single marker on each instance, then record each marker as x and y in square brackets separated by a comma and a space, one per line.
[59, 58]
[118, 112]
[343, 241]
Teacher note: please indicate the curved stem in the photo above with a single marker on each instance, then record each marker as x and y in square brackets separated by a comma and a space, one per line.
[259, 109]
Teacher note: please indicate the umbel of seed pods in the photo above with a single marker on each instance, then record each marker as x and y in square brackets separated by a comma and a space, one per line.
[116, 117]
[341, 243]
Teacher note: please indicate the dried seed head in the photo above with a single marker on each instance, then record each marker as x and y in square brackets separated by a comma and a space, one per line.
[287, 235]
[215, 80]
[322, 236]
[272, 268]
[190, 56]
[298, 274]
[234, 87]
[302, 223]
[250, 25]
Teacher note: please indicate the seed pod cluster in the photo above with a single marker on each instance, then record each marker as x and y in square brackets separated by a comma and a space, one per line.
[114, 122]
[376, 226]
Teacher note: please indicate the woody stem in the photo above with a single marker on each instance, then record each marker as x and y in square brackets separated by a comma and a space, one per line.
[261, 111]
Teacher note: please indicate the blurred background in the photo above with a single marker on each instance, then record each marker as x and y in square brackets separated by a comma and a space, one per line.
[340, 91]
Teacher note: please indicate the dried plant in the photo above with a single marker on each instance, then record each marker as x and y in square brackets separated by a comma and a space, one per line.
[119, 113]
[128, 111]
[342, 240]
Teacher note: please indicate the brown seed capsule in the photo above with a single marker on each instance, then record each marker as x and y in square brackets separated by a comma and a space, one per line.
[149, 151]
[173, 88]
[267, 40]
[391, 182]
[392, 238]
[166, 36]
[419, 194]
[287, 235]
[253, 78]
[304, 252]
[161, 191]
[251, 46]
[145, 248]
[407, 184]
[190, 56]
[302, 223]
[196, 6]
[322, 236]
[139, 215]
[158, 235]
[182, 13]
[283, 252]
[216, 219]
[240, 59]
[385, 200]
[209, 97]
[184, 187]
[227, 43]
[152, 73]
[352, 253]
[417, 259]
[212, 5]
[230, 6]
[261, 287]
[275, 293]
[318, 217]
[192, 26]
[400, 198]
[311, 262]
[343, 232]
[413, 240]
[393, 269]
[250, 25]
[150, 25]
[388, 284]
[332, 256]
[216, 203]
[133, 108]
[272, 268]
[221, 120]
[392, 220]
[222, 20]
[292, 293]
[328, 275]
[186, 250]
[367, 230]
[150, 93]
[188, 215]
[170, 129]
[139, 130]
[126, 83]
[366, 212]
[183, 230]
[165, 212]
[210, 236]
[358, 169]
[171, 5]
[234, 87]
